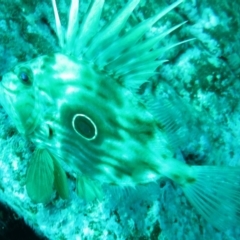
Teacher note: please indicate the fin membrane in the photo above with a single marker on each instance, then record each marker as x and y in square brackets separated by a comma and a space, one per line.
[88, 189]
[43, 174]
[127, 56]
[216, 194]
[60, 180]
[172, 113]
[40, 177]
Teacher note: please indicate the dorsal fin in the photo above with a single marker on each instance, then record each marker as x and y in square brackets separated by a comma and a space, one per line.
[112, 30]
[90, 25]
[125, 56]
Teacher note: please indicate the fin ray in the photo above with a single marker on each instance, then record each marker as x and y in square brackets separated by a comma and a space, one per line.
[137, 51]
[130, 38]
[72, 25]
[215, 194]
[112, 30]
[59, 29]
[88, 189]
[89, 25]
[60, 180]
[40, 176]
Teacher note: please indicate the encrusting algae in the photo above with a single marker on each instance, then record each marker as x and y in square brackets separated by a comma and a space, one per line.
[81, 109]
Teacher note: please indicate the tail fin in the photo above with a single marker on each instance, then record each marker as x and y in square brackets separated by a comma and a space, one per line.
[215, 194]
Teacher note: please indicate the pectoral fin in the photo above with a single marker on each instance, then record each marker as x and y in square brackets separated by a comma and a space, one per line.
[60, 180]
[40, 176]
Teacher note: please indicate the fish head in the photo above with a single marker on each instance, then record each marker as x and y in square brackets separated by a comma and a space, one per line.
[33, 91]
[18, 95]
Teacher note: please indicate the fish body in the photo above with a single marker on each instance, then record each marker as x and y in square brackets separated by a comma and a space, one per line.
[89, 121]
[81, 109]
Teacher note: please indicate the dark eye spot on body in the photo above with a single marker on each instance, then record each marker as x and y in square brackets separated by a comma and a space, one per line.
[84, 126]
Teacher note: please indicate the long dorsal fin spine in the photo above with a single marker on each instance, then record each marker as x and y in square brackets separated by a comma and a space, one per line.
[129, 39]
[59, 29]
[111, 31]
[72, 24]
[90, 25]
[125, 56]
[133, 54]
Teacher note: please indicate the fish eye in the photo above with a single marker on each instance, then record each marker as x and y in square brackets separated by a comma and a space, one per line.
[25, 76]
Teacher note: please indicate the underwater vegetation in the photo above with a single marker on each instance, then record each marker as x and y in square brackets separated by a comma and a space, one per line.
[123, 116]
